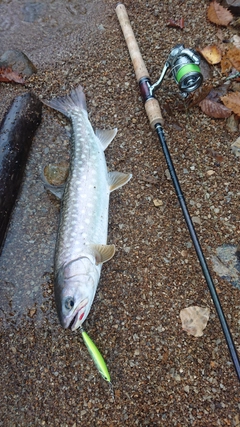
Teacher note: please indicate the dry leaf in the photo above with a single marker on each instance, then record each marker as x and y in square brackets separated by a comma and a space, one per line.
[200, 94]
[236, 147]
[226, 64]
[217, 92]
[194, 320]
[233, 55]
[212, 54]
[8, 75]
[176, 24]
[218, 14]
[232, 101]
[214, 109]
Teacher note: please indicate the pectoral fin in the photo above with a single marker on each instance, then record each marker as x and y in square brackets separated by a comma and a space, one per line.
[103, 253]
[118, 179]
[106, 136]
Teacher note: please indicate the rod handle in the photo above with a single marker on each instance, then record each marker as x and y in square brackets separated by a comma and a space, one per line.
[151, 105]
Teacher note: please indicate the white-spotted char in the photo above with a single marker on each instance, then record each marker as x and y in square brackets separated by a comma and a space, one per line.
[81, 246]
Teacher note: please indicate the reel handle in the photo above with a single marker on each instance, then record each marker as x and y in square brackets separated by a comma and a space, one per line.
[151, 105]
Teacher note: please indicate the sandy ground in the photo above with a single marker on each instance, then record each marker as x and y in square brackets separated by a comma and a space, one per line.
[161, 376]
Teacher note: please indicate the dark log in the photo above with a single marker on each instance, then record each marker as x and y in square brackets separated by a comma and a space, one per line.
[17, 130]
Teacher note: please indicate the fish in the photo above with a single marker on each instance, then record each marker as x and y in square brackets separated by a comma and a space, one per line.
[81, 246]
[17, 130]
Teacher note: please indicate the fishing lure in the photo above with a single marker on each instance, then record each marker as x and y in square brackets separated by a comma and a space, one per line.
[96, 356]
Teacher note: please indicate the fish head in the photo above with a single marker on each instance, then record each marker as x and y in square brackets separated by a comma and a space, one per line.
[75, 287]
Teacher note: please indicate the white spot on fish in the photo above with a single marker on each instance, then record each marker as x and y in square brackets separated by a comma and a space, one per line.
[87, 221]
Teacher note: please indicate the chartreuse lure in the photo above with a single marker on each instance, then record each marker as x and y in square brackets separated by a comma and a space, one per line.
[96, 356]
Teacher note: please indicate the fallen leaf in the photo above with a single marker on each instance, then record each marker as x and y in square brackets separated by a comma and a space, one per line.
[206, 70]
[226, 64]
[217, 92]
[218, 14]
[212, 54]
[176, 24]
[232, 101]
[214, 109]
[8, 75]
[233, 56]
[235, 147]
[199, 95]
[194, 320]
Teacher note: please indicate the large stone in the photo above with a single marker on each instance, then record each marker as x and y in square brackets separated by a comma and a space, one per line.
[17, 61]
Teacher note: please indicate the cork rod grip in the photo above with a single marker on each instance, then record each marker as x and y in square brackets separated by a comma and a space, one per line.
[151, 106]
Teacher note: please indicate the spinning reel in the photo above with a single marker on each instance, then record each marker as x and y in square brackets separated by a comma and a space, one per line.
[183, 66]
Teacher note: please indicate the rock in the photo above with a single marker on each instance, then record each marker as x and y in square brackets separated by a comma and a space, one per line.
[17, 61]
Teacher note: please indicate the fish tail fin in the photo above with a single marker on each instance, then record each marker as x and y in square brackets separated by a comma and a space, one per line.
[69, 104]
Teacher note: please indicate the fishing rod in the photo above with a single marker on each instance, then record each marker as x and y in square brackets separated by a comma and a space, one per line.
[183, 66]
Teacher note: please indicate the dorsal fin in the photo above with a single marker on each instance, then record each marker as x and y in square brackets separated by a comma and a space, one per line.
[118, 179]
[106, 136]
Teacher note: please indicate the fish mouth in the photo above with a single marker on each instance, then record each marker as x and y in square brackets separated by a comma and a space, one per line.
[78, 315]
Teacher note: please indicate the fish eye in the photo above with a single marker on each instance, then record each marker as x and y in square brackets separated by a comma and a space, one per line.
[69, 303]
